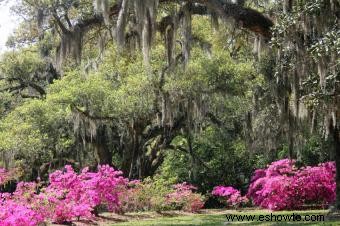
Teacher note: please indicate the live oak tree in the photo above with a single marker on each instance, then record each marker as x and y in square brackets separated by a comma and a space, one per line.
[302, 95]
[132, 25]
[130, 76]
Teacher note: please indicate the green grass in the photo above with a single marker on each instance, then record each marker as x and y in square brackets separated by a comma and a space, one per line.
[219, 218]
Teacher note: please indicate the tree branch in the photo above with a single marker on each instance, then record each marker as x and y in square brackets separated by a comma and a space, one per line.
[68, 21]
[246, 17]
[38, 88]
[60, 24]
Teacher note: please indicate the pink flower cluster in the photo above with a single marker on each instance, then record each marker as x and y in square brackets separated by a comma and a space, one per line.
[281, 186]
[184, 196]
[225, 191]
[69, 196]
[13, 213]
[231, 195]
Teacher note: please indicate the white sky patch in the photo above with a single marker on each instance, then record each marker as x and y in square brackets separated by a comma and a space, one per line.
[8, 22]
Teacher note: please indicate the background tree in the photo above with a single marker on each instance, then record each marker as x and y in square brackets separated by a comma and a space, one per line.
[137, 84]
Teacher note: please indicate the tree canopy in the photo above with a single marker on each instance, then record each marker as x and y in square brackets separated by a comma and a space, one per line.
[183, 89]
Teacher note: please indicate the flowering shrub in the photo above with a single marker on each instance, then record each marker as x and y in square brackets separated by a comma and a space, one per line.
[16, 214]
[131, 198]
[184, 198]
[317, 184]
[281, 167]
[271, 188]
[285, 187]
[73, 195]
[281, 186]
[158, 195]
[68, 196]
[230, 195]
[22, 207]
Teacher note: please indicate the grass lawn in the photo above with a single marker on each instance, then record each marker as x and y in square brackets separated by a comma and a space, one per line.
[209, 218]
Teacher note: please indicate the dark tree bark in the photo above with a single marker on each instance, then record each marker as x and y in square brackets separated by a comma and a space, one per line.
[336, 139]
[144, 153]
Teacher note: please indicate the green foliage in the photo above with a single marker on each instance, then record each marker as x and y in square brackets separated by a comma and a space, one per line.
[32, 132]
[24, 64]
[217, 150]
[219, 74]
[209, 122]
[149, 195]
[315, 150]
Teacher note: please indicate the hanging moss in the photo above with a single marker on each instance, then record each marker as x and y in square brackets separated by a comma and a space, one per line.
[84, 126]
[168, 29]
[102, 7]
[186, 28]
[258, 44]
[145, 23]
[121, 24]
[322, 73]
[149, 26]
[305, 25]
[70, 45]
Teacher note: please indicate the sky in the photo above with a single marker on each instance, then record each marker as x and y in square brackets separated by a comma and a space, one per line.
[8, 22]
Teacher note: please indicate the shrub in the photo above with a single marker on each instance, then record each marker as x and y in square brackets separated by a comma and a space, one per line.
[282, 186]
[22, 207]
[146, 196]
[158, 195]
[77, 196]
[183, 198]
[17, 214]
[69, 196]
[317, 184]
[230, 196]
[285, 187]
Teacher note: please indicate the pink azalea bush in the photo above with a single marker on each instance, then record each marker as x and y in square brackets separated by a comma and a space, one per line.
[73, 195]
[230, 195]
[69, 196]
[22, 208]
[15, 214]
[131, 198]
[184, 198]
[282, 186]
[318, 183]
[271, 188]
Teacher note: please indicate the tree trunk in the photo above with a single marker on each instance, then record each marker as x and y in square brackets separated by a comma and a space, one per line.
[103, 152]
[291, 130]
[336, 137]
[193, 171]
